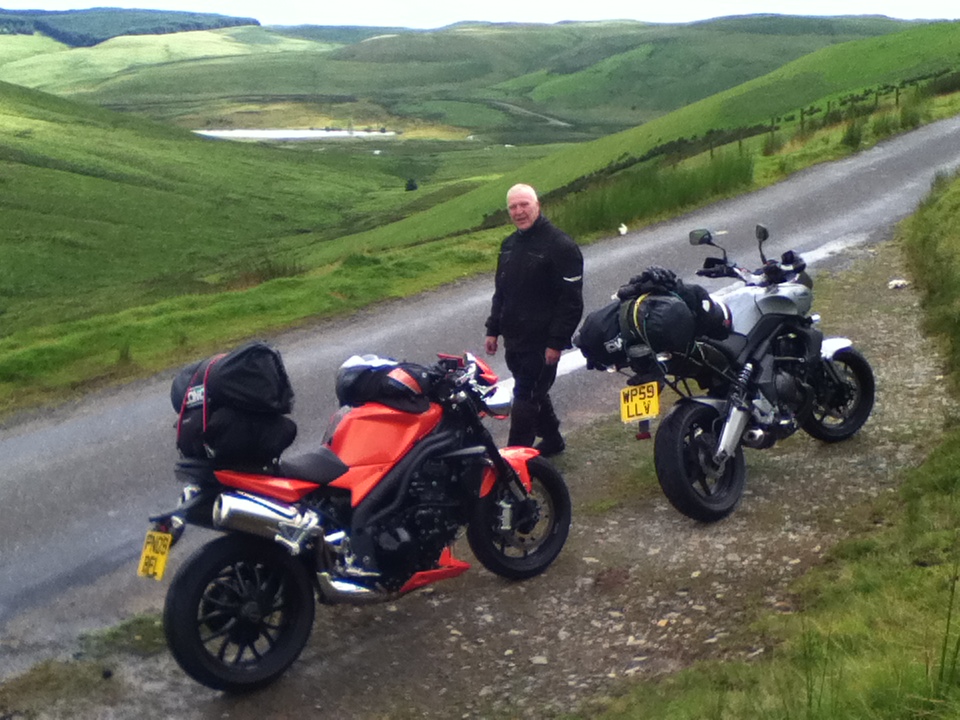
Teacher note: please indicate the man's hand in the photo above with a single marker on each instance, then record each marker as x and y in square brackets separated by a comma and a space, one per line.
[551, 356]
[490, 344]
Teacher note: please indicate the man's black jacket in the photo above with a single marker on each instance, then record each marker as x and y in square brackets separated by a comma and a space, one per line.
[538, 293]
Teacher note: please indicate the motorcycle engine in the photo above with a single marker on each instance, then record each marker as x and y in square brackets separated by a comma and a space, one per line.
[786, 398]
[411, 539]
[795, 353]
[789, 389]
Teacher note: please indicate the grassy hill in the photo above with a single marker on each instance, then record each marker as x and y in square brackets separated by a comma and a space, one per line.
[74, 71]
[79, 28]
[129, 245]
[594, 78]
[103, 211]
[17, 47]
[827, 76]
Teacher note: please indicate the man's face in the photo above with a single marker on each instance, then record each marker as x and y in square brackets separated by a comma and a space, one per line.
[524, 208]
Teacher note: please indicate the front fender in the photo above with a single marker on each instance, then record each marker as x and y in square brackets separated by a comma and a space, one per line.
[831, 346]
[518, 457]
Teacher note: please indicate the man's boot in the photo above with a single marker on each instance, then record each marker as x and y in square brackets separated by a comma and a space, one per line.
[548, 428]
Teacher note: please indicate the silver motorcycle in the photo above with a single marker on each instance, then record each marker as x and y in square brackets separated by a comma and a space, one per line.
[750, 367]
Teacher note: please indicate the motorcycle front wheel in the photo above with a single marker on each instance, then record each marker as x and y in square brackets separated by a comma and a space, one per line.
[238, 613]
[683, 456]
[520, 539]
[844, 391]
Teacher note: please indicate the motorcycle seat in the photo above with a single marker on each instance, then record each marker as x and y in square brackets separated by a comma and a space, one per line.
[731, 346]
[317, 466]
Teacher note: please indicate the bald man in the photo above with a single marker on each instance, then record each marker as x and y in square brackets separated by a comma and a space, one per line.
[537, 305]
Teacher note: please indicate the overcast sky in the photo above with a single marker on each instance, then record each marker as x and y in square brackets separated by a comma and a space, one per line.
[437, 13]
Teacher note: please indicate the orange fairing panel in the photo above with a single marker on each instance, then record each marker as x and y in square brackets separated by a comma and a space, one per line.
[285, 489]
[360, 480]
[449, 567]
[372, 438]
[518, 457]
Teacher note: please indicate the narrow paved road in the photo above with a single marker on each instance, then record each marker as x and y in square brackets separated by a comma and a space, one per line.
[79, 482]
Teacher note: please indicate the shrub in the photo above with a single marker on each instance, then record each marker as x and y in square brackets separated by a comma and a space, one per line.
[852, 135]
[910, 117]
[884, 125]
[772, 144]
[943, 85]
[832, 117]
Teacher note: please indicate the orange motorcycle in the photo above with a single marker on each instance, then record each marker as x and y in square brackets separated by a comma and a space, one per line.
[369, 514]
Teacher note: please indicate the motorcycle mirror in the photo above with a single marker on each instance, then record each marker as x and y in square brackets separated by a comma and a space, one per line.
[762, 234]
[701, 237]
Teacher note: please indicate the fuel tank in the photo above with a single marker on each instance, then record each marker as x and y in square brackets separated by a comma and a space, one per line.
[372, 438]
[748, 304]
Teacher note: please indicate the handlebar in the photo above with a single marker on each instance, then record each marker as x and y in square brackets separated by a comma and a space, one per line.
[773, 272]
[714, 272]
[790, 267]
[464, 373]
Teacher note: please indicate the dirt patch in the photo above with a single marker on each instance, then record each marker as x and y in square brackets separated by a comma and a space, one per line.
[638, 591]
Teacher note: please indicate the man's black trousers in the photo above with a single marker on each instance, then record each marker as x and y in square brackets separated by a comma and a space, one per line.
[532, 414]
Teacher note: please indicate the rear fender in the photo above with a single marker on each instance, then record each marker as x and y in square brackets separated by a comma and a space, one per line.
[194, 508]
[518, 457]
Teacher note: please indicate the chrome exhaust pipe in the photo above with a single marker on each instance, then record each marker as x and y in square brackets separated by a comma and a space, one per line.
[338, 590]
[253, 514]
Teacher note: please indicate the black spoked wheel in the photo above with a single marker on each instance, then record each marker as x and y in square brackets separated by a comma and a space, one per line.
[520, 539]
[238, 613]
[844, 389]
[683, 455]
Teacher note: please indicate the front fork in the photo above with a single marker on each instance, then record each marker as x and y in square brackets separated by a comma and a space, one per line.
[738, 415]
[510, 464]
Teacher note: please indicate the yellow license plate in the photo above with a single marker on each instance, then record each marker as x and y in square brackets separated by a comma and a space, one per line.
[153, 558]
[639, 402]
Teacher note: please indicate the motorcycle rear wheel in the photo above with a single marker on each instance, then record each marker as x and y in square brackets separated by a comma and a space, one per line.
[840, 410]
[531, 544]
[238, 613]
[683, 448]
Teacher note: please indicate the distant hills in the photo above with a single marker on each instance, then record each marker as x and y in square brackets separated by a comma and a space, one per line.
[86, 28]
[508, 82]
